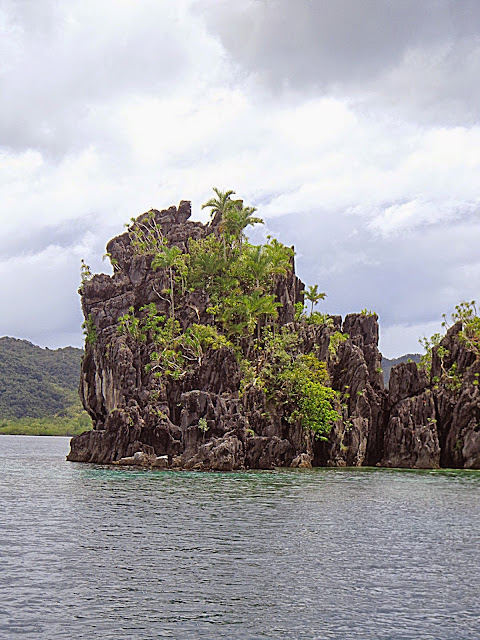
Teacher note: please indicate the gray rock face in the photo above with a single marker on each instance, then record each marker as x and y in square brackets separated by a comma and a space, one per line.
[411, 437]
[435, 422]
[202, 421]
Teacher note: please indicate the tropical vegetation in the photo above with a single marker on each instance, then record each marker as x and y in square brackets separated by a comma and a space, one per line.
[467, 316]
[240, 281]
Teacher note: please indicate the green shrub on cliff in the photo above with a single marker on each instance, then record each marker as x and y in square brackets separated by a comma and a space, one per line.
[429, 344]
[308, 390]
[320, 319]
[298, 381]
[85, 274]
[467, 314]
[367, 313]
[169, 258]
[89, 330]
[469, 335]
[145, 235]
[173, 352]
[336, 340]
[179, 352]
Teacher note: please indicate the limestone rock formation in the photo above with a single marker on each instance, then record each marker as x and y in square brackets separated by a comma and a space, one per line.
[206, 420]
[434, 421]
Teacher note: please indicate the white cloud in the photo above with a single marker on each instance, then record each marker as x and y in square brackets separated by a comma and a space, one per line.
[408, 216]
[417, 59]
[36, 312]
[401, 339]
[122, 107]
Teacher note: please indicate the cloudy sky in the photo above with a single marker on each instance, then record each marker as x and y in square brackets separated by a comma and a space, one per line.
[353, 126]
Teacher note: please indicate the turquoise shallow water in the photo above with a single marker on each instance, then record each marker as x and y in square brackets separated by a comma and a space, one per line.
[91, 552]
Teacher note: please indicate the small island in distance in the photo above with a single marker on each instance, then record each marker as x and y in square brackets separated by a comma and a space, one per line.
[200, 354]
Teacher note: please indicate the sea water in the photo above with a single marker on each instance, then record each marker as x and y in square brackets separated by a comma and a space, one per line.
[91, 552]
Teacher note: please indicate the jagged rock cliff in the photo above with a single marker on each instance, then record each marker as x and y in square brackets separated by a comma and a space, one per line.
[435, 421]
[207, 420]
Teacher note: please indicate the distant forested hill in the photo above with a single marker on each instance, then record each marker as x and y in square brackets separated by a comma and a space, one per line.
[36, 382]
[388, 364]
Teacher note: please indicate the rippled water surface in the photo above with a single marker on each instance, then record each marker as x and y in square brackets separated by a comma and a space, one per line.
[92, 552]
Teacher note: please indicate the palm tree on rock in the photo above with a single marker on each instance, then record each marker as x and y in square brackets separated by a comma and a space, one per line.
[208, 266]
[313, 295]
[237, 218]
[280, 256]
[258, 264]
[256, 305]
[219, 205]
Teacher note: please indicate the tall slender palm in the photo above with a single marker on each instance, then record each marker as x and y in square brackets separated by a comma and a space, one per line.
[313, 295]
[258, 264]
[218, 205]
[237, 218]
[280, 256]
[166, 259]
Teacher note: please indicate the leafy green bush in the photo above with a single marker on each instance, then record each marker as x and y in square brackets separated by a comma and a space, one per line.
[299, 381]
[467, 314]
[429, 344]
[306, 385]
[89, 330]
[336, 340]
[320, 319]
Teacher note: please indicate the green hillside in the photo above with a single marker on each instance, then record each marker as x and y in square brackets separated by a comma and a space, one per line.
[39, 389]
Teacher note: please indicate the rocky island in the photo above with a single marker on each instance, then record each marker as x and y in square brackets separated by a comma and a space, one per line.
[199, 355]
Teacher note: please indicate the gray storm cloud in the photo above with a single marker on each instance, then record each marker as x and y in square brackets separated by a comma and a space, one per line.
[421, 56]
